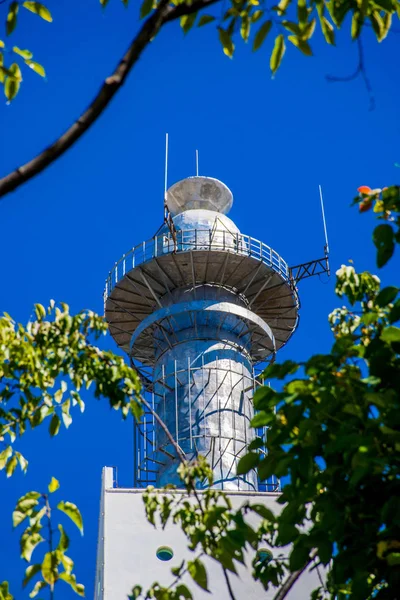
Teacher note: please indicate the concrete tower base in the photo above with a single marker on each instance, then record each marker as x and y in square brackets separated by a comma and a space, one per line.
[128, 544]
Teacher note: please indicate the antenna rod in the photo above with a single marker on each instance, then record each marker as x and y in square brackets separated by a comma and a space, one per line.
[197, 163]
[324, 220]
[166, 167]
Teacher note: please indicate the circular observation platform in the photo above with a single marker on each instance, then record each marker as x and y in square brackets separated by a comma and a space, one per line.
[144, 279]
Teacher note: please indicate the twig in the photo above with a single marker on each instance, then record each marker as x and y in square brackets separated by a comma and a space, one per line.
[178, 449]
[359, 72]
[48, 514]
[293, 577]
[228, 584]
[163, 14]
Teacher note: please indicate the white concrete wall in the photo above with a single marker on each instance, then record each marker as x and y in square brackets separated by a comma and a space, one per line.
[128, 543]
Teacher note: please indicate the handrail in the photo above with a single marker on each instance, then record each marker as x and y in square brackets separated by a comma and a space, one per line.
[195, 240]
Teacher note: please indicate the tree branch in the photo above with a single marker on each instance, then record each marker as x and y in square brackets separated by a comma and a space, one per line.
[293, 577]
[163, 14]
[228, 584]
[360, 71]
[178, 449]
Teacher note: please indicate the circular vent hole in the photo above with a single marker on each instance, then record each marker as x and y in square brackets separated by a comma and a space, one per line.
[164, 553]
[264, 555]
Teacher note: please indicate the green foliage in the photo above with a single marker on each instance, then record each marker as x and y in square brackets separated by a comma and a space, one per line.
[4, 591]
[34, 508]
[293, 22]
[334, 434]
[11, 76]
[386, 205]
[72, 511]
[43, 368]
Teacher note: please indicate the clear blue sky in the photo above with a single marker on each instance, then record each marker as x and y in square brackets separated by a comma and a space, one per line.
[271, 141]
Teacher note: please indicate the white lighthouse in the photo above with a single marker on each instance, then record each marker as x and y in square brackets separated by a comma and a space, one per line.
[196, 308]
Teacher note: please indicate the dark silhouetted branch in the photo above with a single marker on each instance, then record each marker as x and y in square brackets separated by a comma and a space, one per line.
[359, 72]
[293, 577]
[163, 14]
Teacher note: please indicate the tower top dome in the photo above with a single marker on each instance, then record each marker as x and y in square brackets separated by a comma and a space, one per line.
[199, 192]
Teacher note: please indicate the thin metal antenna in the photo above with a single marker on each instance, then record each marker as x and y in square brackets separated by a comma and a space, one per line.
[166, 167]
[197, 163]
[324, 220]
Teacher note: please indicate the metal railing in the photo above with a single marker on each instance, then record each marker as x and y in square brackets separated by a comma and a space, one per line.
[195, 240]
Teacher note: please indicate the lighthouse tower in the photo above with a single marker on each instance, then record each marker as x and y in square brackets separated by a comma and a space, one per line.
[196, 308]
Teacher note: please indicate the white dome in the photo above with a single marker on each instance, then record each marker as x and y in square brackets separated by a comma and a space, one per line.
[204, 193]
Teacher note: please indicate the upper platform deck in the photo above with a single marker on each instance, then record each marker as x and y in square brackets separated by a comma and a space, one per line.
[150, 271]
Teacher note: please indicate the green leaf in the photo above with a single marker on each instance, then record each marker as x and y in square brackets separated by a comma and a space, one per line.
[198, 573]
[72, 511]
[300, 44]
[327, 30]
[386, 296]
[276, 59]
[393, 559]
[11, 465]
[12, 17]
[263, 511]
[205, 19]
[391, 334]
[54, 426]
[394, 314]
[53, 485]
[302, 12]
[11, 88]
[261, 35]
[384, 242]
[4, 456]
[187, 22]
[35, 66]
[30, 572]
[39, 585]
[24, 53]
[245, 28]
[23, 463]
[183, 592]
[247, 463]
[24, 507]
[28, 543]
[298, 558]
[356, 24]
[50, 568]
[280, 370]
[135, 593]
[261, 419]
[69, 578]
[39, 9]
[63, 544]
[40, 312]
[282, 7]
[146, 8]
[4, 591]
[226, 41]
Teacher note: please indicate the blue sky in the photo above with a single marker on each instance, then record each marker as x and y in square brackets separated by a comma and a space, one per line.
[271, 141]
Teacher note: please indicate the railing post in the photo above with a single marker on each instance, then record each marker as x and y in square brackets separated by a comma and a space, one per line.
[155, 246]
